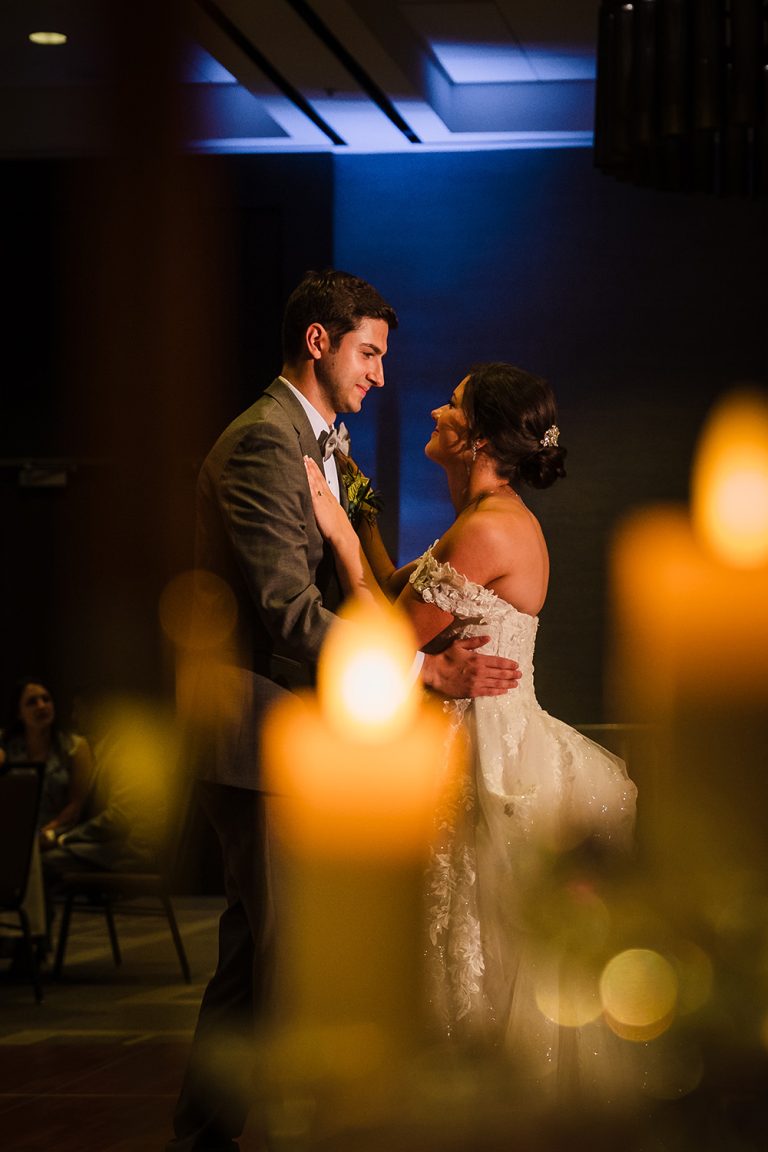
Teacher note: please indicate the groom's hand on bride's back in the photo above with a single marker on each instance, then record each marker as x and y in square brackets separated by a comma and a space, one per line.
[460, 672]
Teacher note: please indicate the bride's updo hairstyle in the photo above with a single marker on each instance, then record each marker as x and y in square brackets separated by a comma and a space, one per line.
[513, 411]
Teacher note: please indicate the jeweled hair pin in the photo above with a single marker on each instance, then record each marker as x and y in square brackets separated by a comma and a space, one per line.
[550, 437]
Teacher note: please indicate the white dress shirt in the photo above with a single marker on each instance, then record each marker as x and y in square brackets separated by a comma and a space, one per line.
[319, 424]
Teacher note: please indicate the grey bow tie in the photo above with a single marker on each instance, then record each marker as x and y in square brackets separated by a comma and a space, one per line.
[336, 438]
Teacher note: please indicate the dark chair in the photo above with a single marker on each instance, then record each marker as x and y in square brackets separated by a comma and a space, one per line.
[109, 892]
[20, 791]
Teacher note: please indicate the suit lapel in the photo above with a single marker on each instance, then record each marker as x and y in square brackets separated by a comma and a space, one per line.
[307, 439]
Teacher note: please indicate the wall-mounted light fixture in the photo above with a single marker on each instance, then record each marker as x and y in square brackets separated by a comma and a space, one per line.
[48, 38]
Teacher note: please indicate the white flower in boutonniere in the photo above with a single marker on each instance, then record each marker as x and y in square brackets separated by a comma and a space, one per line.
[363, 501]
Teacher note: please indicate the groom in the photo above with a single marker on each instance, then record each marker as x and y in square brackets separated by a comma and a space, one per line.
[257, 533]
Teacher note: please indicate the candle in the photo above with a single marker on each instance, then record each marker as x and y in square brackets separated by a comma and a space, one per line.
[690, 599]
[354, 773]
[691, 591]
[355, 768]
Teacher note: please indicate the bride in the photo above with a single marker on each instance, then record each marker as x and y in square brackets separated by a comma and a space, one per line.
[538, 795]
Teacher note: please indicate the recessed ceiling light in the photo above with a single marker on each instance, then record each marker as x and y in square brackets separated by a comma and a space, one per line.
[47, 37]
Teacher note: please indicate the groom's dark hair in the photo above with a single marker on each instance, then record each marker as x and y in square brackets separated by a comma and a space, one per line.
[338, 301]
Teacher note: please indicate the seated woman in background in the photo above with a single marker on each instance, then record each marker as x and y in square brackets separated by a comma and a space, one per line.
[127, 808]
[31, 732]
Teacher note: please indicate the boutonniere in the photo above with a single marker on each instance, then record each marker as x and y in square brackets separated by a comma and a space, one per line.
[363, 501]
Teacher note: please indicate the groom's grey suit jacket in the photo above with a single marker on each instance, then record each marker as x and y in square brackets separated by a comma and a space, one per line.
[256, 530]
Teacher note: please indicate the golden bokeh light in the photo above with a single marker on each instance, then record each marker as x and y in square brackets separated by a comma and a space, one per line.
[213, 693]
[638, 990]
[197, 611]
[730, 480]
[140, 757]
[695, 976]
[567, 993]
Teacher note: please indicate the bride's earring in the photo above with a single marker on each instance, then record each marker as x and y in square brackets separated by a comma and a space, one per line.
[474, 451]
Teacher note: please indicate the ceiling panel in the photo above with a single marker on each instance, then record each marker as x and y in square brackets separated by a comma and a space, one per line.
[335, 75]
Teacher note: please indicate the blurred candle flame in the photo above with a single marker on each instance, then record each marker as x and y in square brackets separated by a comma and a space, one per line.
[730, 480]
[356, 770]
[352, 774]
[365, 686]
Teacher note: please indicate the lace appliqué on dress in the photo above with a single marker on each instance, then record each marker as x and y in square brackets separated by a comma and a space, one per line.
[452, 921]
[441, 585]
[456, 953]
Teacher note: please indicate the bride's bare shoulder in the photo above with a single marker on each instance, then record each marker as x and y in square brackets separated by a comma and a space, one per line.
[484, 542]
[498, 517]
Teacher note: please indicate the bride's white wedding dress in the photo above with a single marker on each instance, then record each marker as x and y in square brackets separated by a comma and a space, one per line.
[504, 966]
